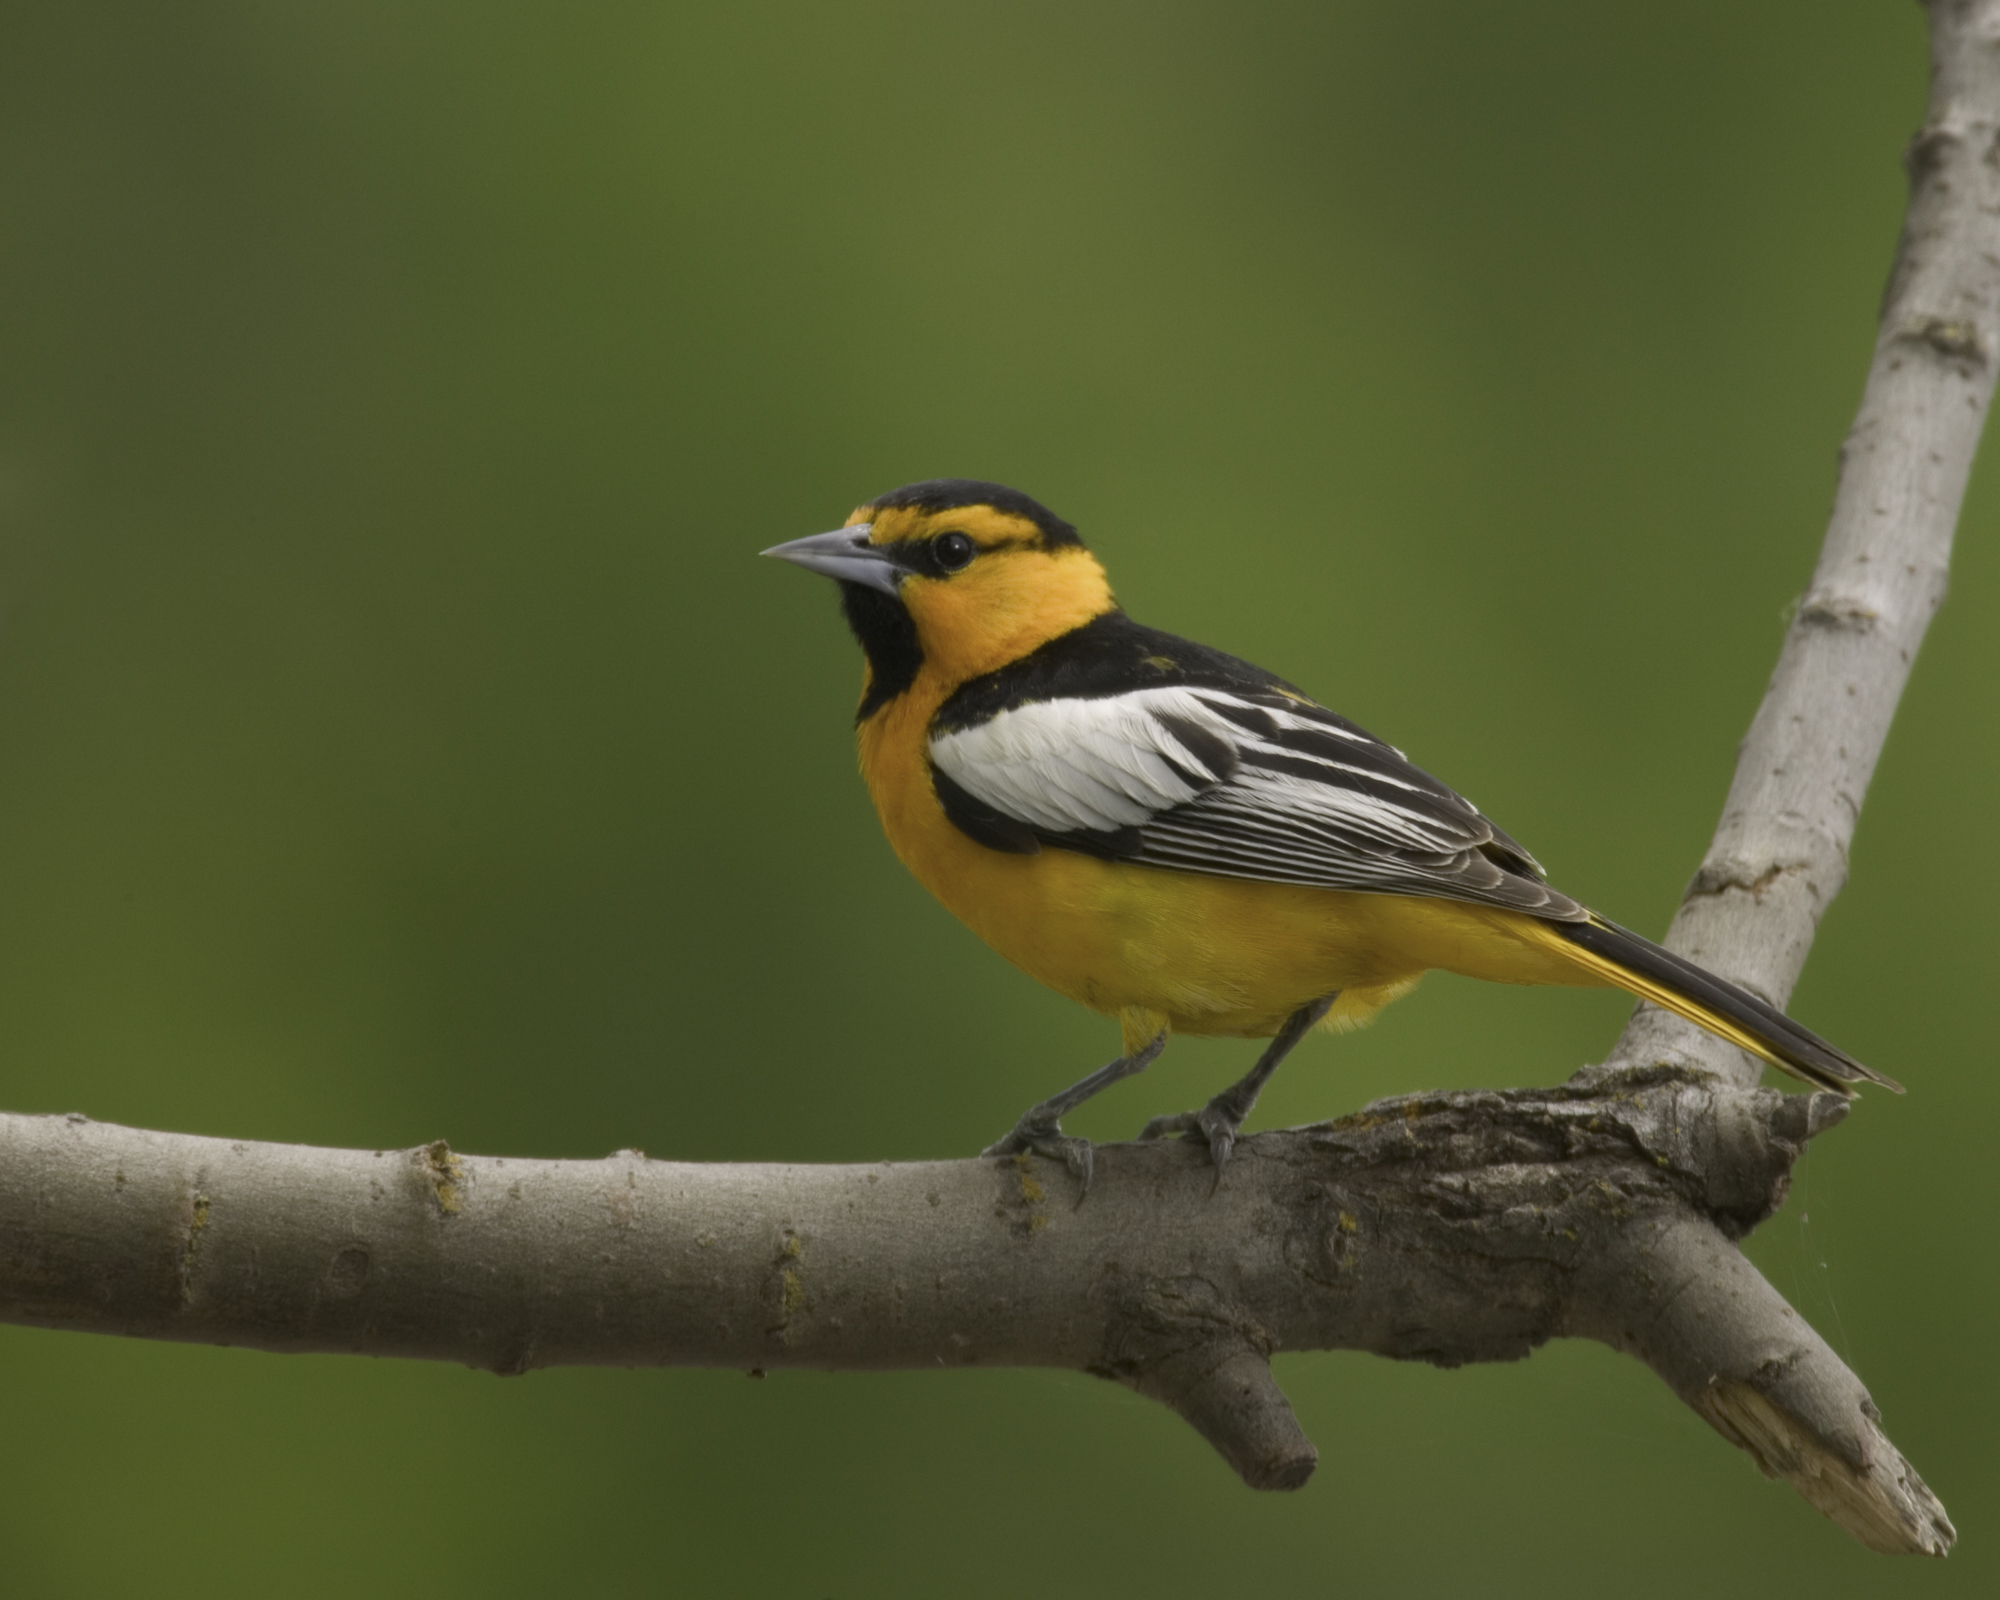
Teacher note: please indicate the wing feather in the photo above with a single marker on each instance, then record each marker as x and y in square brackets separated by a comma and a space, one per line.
[1241, 784]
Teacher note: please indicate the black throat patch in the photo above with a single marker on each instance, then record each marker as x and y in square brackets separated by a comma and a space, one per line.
[888, 638]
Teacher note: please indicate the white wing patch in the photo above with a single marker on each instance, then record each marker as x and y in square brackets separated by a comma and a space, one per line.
[1248, 786]
[1098, 765]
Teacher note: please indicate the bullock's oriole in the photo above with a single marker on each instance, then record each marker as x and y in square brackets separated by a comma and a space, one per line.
[1175, 837]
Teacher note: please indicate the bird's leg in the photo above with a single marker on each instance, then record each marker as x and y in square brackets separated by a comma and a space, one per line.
[1218, 1122]
[1040, 1127]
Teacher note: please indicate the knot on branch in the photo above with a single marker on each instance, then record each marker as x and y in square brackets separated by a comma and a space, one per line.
[443, 1174]
[1782, 858]
[1540, 1163]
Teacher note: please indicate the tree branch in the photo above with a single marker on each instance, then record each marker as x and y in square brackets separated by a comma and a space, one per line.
[1445, 1228]
[1780, 853]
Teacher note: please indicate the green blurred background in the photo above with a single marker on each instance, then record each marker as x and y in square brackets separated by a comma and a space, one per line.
[398, 738]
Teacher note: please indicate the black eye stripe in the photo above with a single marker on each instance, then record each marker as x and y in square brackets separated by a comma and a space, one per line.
[939, 556]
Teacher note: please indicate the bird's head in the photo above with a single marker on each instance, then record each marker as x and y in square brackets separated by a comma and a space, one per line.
[953, 575]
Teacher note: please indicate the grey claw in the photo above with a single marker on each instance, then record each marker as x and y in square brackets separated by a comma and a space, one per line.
[1081, 1159]
[1220, 1129]
[1215, 1126]
[1052, 1144]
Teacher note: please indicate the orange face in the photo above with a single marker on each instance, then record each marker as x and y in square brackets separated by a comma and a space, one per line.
[983, 586]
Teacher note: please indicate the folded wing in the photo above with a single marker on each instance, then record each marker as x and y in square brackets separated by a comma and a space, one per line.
[1235, 783]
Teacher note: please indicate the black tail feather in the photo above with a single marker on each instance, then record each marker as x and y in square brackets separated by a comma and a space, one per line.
[1798, 1050]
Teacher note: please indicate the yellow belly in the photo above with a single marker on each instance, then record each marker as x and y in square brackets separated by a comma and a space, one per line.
[1204, 955]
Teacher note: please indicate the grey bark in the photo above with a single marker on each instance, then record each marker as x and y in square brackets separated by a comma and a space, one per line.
[1446, 1228]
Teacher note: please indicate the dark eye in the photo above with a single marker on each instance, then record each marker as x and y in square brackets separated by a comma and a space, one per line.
[954, 551]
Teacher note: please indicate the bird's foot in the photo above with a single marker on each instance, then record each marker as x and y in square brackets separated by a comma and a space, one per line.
[1044, 1137]
[1215, 1125]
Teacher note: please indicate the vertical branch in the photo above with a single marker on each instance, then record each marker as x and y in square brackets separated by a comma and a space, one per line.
[1780, 852]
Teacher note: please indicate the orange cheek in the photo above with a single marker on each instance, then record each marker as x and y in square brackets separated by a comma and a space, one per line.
[980, 621]
[953, 627]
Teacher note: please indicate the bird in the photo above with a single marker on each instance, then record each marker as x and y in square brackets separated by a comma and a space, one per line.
[1181, 840]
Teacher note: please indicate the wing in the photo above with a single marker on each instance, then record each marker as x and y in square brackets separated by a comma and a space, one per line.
[1237, 782]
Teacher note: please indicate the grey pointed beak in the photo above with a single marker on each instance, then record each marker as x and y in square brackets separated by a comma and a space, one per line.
[845, 554]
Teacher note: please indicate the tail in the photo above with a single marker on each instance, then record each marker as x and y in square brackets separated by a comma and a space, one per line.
[1629, 962]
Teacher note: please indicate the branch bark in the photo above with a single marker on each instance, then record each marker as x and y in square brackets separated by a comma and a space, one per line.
[1446, 1228]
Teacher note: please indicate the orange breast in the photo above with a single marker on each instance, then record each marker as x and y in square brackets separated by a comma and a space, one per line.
[1218, 956]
